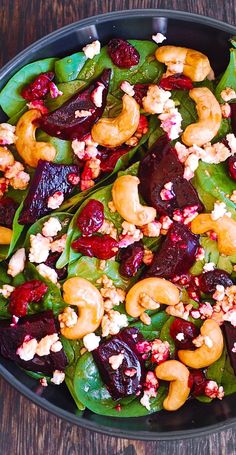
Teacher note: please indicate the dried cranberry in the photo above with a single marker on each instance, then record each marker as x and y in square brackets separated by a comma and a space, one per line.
[122, 53]
[140, 90]
[8, 209]
[101, 247]
[232, 167]
[176, 82]
[109, 157]
[131, 259]
[189, 331]
[31, 291]
[197, 382]
[51, 262]
[91, 217]
[38, 88]
[209, 280]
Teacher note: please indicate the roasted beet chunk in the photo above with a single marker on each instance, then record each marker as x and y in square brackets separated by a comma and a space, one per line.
[8, 209]
[160, 167]
[101, 247]
[176, 254]
[51, 262]
[230, 337]
[91, 217]
[183, 333]
[122, 53]
[176, 82]
[75, 118]
[49, 178]
[109, 157]
[131, 259]
[39, 88]
[127, 378]
[209, 280]
[37, 326]
[31, 291]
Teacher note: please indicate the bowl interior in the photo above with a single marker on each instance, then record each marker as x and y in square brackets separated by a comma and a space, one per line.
[210, 37]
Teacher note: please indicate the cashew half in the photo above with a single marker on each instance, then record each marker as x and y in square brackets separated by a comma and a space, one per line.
[126, 201]
[190, 62]
[83, 294]
[28, 148]
[178, 375]
[158, 290]
[224, 227]
[209, 118]
[111, 132]
[6, 159]
[5, 235]
[207, 354]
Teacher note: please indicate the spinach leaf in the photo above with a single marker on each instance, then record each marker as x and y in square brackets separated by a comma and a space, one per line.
[215, 372]
[228, 79]
[212, 255]
[228, 378]
[165, 335]
[64, 150]
[37, 227]
[68, 89]
[11, 100]
[152, 331]
[72, 350]
[68, 68]
[6, 250]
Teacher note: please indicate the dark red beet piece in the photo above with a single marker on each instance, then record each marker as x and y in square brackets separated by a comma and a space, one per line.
[140, 90]
[48, 179]
[118, 383]
[176, 82]
[209, 280]
[101, 247]
[232, 167]
[230, 337]
[31, 291]
[131, 259]
[109, 157]
[62, 122]
[91, 217]
[8, 209]
[51, 262]
[189, 330]
[122, 53]
[35, 326]
[39, 88]
[197, 382]
[131, 336]
[158, 167]
[176, 254]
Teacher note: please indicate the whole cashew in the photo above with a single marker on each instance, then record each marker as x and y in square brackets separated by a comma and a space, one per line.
[224, 227]
[111, 132]
[28, 148]
[205, 355]
[126, 201]
[6, 159]
[192, 63]
[209, 118]
[5, 235]
[158, 289]
[178, 375]
[83, 294]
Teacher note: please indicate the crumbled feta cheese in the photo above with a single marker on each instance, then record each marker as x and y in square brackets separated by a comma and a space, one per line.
[27, 350]
[96, 95]
[180, 336]
[126, 87]
[230, 316]
[215, 153]
[58, 377]
[59, 244]
[78, 148]
[129, 235]
[219, 211]
[160, 351]
[92, 49]
[166, 223]
[68, 318]
[116, 361]
[234, 348]
[39, 248]
[17, 262]
[152, 229]
[55, 201]
[219, 293]
[228, 94]
[231, 139]
[212, 390]
[108, 228]
[56, 347]
[158, 38]
[54, 90]
[171, 120]
[112, 296]
[112, 322]
[20, 181]
[83, 113]
[91, 341]
[233, 196]
[225, 110]
[44, 345]
[51, 227]
[47, 272]
[6, 290]
[167, 192]
[145, 401]
[209, 266]
[155, 100]
[7, 134]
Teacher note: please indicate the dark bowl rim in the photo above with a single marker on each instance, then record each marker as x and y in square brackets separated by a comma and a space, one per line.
[10, 378]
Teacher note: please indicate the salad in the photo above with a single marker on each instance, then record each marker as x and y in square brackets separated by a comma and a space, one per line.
[118, 225]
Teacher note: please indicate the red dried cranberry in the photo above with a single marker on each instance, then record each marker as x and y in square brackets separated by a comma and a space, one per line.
[8, 209]
[31, 291]
[209, 280]
[232, 167]
[197, 382]
[131, 259]
[189, 331]
[109, 157]
[122, 53]
[38, 88]
[176, 82]
[140, 90]
[51, 262]
[91, 217]
[101, 247]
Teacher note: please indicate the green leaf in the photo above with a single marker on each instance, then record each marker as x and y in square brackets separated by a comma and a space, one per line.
[72, 350]
[10, 99]
[229, 77]
[37, 227]
[228, 378]
[68, 89]
[6, 250]
[68, 68]
[152, 331]
[165, 335]
[64, 150]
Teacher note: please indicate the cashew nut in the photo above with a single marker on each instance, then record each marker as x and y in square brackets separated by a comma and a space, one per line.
[6, 159]
[208, 353]
[209, 118]
[5, 235]
[111, 132]
[28, 148]
[224, 227]
[158, 290]
[178, 375]
[126, 201]
[83, 294]
[190, 62]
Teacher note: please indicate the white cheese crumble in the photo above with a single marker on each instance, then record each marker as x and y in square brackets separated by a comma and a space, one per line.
[171, 120]
[127, 88]
[51, 227]
[83, 113]
[219, 211]
[155, 100]
[17, 262]
[145, 401]
[116, 361]
[92, 49]
[55, 201]
[158, 38]
[208, 267]
[96, 95]
[47, 272]
[112, 322]
[180, 336]
[6, 290]
[45, 344]
[7, 134]
[91, 341]
[58, 377]
[228, 94]
[39, 248]
[68, 318]
[27, 350]
[152, 229]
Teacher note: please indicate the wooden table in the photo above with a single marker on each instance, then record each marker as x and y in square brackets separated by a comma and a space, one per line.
[25, 428]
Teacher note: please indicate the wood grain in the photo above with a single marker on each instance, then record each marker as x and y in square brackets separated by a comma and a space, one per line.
[25, 428]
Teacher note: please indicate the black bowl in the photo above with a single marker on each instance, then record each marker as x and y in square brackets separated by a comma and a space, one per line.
[190, 30]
